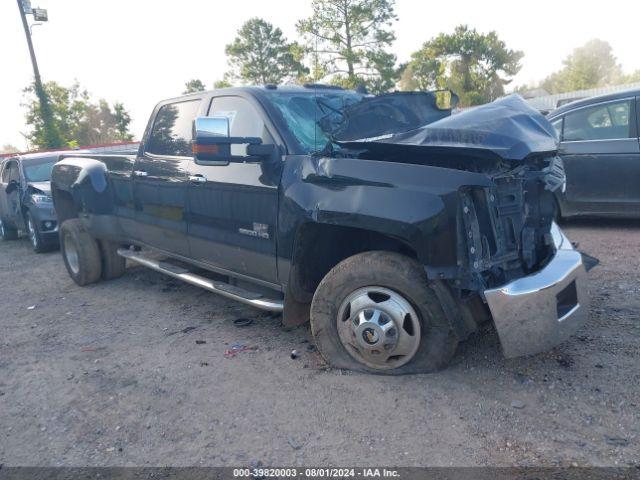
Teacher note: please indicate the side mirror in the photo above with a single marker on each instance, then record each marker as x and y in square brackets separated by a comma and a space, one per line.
[11, 187]
[212, 143]
[446, 99]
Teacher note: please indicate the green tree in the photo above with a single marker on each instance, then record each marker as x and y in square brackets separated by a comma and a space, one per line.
[590, 66]
[193, 85]
[261, 54]
[225, 82]
[122, 121]
[79, 120]
[351, 38]
[41, 115]
[476, 66]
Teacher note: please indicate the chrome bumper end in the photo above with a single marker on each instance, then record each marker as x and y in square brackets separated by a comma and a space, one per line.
[537, 312]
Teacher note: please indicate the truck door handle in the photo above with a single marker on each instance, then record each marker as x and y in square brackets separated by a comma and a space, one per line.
[197, 178]
[140, 173]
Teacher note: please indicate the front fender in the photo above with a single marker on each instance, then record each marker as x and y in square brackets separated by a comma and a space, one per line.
[415, 204]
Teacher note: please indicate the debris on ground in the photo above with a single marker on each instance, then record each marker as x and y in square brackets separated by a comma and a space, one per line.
[616, 441]
[184, 330]
[242, 322]
[294, 354]
[294, 443]
[517, 404]
[311, 348]
[564, 361]
[238, 348]
[200, 342]
[32, 307]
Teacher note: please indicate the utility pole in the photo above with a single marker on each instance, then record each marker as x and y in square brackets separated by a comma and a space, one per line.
[34, 62]
[52, 137]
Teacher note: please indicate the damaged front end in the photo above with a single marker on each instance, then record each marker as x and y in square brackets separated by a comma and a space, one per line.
[508, 250]
[504, 231]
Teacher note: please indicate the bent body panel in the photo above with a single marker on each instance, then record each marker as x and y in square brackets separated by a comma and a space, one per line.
[415, 204]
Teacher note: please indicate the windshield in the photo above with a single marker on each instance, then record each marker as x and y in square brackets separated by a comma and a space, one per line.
[38, 171]
[302, 111]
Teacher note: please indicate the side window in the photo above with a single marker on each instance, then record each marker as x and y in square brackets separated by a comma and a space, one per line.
[15, 172]
[10, 172]
[607, 121]
[172, 129]
[557, 124]
[5, 173]
[244, 120]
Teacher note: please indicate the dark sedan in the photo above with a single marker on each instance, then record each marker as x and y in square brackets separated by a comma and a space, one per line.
[601, 152]
[25, 199]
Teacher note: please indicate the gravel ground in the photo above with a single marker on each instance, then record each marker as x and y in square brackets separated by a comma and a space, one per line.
[133, 372]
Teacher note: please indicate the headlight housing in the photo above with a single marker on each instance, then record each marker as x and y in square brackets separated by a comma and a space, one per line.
[40, 198]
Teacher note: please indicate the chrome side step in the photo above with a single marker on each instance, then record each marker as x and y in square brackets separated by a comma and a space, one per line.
[230, 291]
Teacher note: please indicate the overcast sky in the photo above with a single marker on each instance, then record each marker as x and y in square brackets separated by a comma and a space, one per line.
[141, 51]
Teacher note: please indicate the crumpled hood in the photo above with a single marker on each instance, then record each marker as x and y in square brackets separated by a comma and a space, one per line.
[507, 128]
[44, 187]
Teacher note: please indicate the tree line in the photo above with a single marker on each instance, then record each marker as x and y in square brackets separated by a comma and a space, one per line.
[348, 43]
[76, 119]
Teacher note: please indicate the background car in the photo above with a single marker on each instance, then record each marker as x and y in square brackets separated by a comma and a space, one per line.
[25, 200]
[601, 152]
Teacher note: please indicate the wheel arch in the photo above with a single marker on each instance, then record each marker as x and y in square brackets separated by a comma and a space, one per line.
[64, 204]
[318, 247]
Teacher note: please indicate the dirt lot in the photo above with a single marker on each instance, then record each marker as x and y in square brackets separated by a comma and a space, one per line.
[118, 374]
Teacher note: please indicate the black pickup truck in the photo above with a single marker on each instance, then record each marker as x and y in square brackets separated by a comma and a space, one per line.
[392, 225]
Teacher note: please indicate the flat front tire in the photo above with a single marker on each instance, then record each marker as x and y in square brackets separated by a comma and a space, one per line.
[375, 312]
[80, 252]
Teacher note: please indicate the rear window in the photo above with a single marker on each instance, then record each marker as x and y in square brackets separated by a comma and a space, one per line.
[172, 129]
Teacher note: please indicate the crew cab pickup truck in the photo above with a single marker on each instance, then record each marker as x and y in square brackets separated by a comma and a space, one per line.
[390, 224]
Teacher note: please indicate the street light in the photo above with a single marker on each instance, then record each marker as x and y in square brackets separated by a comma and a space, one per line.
[40, 14]
[52, 137]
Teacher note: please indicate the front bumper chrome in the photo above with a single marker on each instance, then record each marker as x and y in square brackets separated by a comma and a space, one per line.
[537, 312]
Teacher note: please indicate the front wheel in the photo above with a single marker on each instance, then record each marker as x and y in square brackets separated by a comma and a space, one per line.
[35, 236]
[80, 252]
[375, 312]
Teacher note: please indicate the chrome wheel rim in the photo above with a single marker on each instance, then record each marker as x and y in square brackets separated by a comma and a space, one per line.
[379, 327]
[32, 233]
[71, 254]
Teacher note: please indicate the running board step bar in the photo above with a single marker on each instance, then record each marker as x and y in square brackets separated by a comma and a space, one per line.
[230, 291]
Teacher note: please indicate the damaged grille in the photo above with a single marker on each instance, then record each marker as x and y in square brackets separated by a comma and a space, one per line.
[506, 227]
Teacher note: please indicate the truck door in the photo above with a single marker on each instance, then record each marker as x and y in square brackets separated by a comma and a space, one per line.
[599, 147]
[233, 208]
[160, 179]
